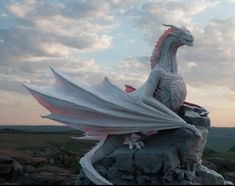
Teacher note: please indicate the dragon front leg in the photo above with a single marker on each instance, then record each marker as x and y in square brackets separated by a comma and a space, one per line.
[133, 141]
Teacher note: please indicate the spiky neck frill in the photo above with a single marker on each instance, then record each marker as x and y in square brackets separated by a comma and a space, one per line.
[164, 53]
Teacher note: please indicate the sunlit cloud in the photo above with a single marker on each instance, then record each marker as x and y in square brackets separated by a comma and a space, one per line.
[79, 37]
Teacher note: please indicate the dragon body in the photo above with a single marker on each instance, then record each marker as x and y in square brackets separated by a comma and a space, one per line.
[106, 112]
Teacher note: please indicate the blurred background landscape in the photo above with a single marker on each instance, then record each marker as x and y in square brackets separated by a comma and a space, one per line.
[49, 154]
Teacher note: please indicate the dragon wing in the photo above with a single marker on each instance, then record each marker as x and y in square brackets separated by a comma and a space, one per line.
[101, 109]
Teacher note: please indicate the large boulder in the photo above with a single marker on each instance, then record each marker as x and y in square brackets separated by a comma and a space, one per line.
[19, 168]
[170, 157]
[10, 169]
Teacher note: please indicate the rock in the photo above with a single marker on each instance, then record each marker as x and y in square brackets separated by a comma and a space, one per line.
[108, 161]
[179, 174]
[33, 171]
[47, 178]
[113, 172]
[83, 180]
[30, 169]
[228, 183]
[143, 180]
[101, 169]
[18, 170]
[168, 177]
[170, 157]
[209, 165]
[127, 177]
[192, 115]
[230, 176]
[204, 133]
[6, 165]
[124, 159]
[152, 160]
[186, 142]
[206, 176]
[155, 181]
[9, 168]
[4, 159]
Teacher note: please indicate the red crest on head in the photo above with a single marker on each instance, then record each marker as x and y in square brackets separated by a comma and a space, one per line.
[157, 47]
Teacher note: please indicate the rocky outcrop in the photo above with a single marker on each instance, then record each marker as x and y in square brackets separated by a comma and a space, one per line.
[19, 168]
[171, 157]
[24, 158]
[10, 169]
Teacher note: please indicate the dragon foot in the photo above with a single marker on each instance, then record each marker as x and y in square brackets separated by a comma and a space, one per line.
[133, 142]
[138, 145]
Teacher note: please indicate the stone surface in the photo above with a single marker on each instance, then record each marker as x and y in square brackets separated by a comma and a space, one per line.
[124, 159]
[9, 168]
[151, 160]
[192, 115]
[170, 157]
[206, 176]
[230, 176]
[18, 168]
[83, 180]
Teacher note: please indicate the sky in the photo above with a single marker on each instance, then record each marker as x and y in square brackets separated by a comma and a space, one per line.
[115, 38]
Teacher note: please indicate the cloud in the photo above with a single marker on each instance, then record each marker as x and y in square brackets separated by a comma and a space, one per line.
[47, 28]
[49, 33]
[212, 56]
[72, 9]
[151, 14]
[211, 60]
[132, 64]
[35, 35]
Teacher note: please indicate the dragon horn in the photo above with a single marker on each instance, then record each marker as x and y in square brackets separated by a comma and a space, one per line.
[172, 26]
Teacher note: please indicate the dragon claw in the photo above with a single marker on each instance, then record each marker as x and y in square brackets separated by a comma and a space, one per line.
[134, 142]
[138, 145]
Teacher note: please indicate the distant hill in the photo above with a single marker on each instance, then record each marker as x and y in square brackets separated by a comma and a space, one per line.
[228, 133]
[219, 140]
[37, 129]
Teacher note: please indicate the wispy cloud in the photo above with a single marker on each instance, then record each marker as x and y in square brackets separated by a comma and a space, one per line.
[35, 35]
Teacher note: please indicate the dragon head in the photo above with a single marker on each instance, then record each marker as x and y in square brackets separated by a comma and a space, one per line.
[181, 35]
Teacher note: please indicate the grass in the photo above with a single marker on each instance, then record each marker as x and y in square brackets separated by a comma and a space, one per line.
[216, 146]
[31, 141]
[220, 145]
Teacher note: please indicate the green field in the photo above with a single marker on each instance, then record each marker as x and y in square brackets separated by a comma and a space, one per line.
[30, 138]
[31, 141]
[219, 142]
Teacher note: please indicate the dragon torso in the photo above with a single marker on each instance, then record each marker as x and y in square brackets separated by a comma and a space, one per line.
[171, 91]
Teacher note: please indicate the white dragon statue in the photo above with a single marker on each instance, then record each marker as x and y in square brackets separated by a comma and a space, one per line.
[109, 114]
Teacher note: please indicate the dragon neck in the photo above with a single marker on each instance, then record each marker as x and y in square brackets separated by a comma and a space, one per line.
[167, 55]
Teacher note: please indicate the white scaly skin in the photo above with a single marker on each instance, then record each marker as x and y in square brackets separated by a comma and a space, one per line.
[164, 84]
